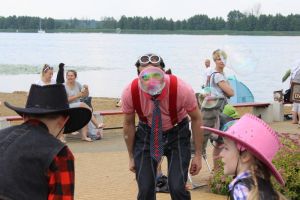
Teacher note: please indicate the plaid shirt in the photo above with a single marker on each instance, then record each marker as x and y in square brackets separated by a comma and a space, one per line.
[240, 192]
[61, 176]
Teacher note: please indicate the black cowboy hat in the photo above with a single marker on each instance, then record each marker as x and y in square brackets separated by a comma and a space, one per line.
[52, 99]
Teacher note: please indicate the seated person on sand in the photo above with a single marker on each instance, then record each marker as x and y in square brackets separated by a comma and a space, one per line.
[75, 92]
[46, 76]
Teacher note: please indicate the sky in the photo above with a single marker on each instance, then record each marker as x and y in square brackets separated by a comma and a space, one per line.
[175, 9]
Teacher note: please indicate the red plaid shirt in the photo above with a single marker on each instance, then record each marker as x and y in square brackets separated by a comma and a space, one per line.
[61, 176]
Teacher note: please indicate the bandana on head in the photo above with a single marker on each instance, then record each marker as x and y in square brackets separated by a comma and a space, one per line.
[152, 80]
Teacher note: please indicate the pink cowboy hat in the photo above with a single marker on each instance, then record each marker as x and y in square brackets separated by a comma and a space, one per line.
[256, 136]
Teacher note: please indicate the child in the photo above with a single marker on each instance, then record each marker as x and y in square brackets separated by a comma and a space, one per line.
[249, 147]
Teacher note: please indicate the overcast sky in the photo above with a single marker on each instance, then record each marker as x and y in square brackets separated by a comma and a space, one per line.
[175, 9]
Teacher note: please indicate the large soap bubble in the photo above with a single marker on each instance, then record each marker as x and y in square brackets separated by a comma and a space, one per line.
[241, 61]
[152, 80]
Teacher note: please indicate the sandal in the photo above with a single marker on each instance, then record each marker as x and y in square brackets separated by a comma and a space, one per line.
[99, 134]
[62, 139]
[100, 126]
[87, 139]
[75, 133]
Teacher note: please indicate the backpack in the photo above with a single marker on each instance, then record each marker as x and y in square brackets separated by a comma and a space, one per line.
[172, 100]
[222, 100]
[162, 184]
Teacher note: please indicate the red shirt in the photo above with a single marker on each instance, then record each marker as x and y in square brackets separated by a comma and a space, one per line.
[61, 176]
[186, 102]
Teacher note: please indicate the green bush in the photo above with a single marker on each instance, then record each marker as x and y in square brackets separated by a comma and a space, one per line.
[287, 161]
[218, 184]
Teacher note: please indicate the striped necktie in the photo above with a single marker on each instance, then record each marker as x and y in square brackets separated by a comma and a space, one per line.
[156, 143]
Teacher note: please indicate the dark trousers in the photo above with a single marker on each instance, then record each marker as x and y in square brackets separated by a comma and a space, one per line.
[176, 149]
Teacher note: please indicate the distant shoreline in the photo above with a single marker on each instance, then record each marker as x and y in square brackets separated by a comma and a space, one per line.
[163, 32]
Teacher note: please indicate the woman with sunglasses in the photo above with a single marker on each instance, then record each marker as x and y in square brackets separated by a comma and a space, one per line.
[165, 103]
[46, 76]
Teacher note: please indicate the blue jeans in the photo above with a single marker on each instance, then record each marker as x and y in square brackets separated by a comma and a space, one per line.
[176, 149]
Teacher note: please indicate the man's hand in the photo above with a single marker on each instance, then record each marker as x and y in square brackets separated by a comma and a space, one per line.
[131, 165]
[196, 165]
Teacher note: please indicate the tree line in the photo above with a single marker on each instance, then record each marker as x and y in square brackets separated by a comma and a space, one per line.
[236, 20]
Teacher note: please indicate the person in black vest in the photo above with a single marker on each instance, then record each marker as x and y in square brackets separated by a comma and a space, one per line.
[35, 164]
[163, 103]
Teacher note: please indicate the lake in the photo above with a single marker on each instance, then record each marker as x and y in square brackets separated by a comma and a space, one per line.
[106, 61]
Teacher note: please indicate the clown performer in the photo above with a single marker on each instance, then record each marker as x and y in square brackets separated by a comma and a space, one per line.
[163, 103]
[35, 164]
[247, 153]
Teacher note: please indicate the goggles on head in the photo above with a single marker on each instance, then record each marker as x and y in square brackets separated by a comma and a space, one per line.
[146, 59]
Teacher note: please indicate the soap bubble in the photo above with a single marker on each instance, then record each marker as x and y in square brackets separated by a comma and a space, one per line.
[241, 61]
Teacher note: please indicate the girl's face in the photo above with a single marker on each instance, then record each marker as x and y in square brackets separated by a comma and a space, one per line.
[71, 77]
[229, 155]
[48, 75]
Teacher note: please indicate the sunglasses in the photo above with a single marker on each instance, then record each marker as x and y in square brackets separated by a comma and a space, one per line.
[148, 76]
[153, 59]
[47, 67]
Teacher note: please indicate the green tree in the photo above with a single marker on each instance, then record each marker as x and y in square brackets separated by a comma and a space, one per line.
[233, 19]
[109, 23]
[49, 24]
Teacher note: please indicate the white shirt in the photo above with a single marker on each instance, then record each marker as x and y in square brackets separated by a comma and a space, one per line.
[42, 83]
[209, 71]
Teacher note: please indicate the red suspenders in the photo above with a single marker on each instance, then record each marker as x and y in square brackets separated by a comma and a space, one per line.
[135, 94]
[172, 100]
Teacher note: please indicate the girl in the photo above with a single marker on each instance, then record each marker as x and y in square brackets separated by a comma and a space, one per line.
[75, 92]
[46, 76]
[249, 147]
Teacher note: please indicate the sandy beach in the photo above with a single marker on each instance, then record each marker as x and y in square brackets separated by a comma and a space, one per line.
[102, 166]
